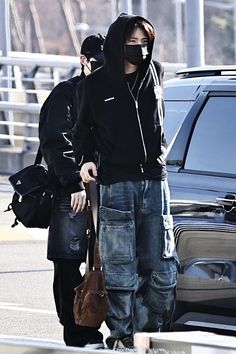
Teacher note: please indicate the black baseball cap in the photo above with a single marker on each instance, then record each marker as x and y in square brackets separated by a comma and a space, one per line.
[92, 46]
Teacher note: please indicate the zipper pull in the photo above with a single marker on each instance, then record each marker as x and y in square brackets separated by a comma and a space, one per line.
[141, 167]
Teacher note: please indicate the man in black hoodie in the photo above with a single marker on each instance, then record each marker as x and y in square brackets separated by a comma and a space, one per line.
[120, 117]
[67, 231]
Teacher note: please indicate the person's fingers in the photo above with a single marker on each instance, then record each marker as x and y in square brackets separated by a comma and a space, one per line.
[86, 178]
[78, 201]
[81, 204]
[94, 170]
[73, 201]
[88, 172]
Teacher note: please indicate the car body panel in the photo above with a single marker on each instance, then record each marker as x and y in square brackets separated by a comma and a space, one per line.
[194, 186]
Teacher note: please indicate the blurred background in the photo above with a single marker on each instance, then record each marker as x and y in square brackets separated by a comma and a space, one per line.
[59, 26]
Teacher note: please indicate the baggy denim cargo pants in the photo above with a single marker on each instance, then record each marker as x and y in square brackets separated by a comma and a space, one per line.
[138, 255]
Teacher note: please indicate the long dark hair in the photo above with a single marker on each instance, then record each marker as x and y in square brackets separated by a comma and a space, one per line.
[139, 22]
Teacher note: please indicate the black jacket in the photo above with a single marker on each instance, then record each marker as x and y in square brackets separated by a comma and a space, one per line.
[125, 130]
[59, 114]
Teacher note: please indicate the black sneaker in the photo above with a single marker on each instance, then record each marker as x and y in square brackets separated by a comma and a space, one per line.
[94, 345]
[121, 344]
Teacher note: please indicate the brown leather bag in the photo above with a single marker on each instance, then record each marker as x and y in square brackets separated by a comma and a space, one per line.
[91, 300]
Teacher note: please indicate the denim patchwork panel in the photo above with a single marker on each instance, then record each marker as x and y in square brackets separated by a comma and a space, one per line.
[168, 249]
[116, 236]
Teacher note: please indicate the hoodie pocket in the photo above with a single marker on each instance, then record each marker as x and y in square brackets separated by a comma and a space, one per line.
[116, 234]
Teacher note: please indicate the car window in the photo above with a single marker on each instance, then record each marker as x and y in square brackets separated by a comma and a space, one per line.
[175, 112]
[213, 144]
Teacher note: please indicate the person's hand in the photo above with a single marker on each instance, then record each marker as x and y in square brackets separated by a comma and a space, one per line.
[78, 201]
[88, 172]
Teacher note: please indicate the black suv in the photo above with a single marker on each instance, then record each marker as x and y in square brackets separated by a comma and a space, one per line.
[200, 127]
[201, 107]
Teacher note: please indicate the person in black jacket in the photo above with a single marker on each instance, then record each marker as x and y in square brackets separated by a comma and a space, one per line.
[120, 117]
[67, 232]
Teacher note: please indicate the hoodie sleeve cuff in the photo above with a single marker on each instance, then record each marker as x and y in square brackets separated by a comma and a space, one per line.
[76, 187]
[87, 158]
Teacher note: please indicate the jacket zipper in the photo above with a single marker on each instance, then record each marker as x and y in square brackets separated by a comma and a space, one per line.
[139, 121]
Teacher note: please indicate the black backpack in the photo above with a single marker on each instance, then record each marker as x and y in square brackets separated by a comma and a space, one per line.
[32, 199]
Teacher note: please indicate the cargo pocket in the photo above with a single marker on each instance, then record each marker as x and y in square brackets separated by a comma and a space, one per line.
[161, 292]
[168, 248]
[116, 235]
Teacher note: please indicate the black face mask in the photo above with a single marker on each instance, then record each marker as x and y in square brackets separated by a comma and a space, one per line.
[135, 54]
[95, 65]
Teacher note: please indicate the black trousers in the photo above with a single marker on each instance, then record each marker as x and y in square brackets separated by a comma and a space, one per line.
[66, 277]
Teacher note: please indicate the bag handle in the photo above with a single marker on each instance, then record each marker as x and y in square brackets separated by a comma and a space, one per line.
[92, 220]
[92, 196]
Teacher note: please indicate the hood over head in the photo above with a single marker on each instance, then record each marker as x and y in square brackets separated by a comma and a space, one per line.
[114, 46]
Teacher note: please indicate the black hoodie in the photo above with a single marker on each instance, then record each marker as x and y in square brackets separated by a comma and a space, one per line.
[124, 129]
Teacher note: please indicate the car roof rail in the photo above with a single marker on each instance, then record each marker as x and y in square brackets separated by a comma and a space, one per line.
[224, 70]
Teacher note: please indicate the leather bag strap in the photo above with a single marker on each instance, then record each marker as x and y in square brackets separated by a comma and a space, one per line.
[92, 221]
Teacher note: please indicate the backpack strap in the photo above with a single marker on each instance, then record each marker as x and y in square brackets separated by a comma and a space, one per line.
[38, 157]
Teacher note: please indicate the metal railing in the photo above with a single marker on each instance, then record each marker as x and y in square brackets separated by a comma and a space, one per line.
[29, 108]
[22, 94]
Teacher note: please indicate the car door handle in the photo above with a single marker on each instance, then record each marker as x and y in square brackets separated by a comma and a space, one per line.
[228, 201]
